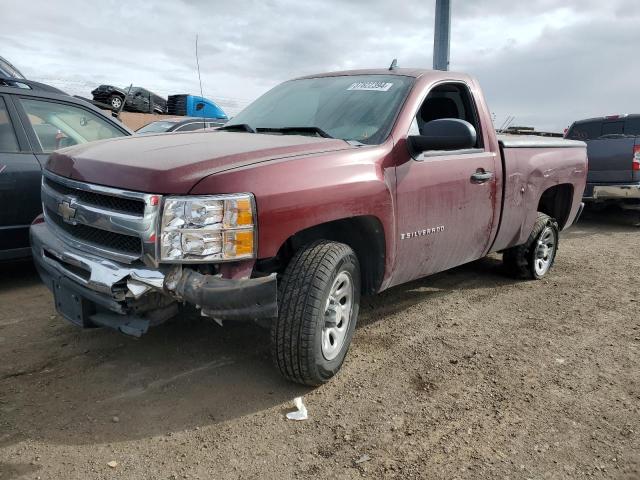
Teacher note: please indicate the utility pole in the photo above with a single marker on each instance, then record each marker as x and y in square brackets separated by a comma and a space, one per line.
[441, 35]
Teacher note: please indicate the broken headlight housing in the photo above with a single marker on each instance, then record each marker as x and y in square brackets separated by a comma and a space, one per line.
[207, 228]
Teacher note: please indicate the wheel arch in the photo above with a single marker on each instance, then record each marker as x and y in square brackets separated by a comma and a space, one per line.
[364, 234]
[556, 201]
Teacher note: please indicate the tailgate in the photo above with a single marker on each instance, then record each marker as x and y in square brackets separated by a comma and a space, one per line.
[610, 160]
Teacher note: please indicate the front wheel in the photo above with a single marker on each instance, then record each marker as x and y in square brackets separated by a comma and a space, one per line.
[115, 101]
[534, 259]
[319, 297]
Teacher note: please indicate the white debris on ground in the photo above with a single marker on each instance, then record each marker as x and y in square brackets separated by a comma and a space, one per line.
[300, 413]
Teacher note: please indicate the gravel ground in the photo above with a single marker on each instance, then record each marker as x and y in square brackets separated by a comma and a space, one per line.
[466, 374]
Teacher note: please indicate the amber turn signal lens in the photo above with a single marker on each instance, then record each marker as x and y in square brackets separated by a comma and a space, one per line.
[245, 215]
[244, 243]
[238, 244]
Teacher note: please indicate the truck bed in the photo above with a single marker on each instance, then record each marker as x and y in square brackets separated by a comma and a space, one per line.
[532, 141]
[530, 166]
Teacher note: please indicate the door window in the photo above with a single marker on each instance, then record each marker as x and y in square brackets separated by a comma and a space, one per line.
[449, 100]
[60, 125]
[8, 140]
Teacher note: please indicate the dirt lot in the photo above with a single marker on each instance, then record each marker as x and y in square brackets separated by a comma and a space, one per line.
[466, 374]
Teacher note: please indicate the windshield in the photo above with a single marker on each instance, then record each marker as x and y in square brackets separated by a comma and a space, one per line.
[353, 107]
[156, 127]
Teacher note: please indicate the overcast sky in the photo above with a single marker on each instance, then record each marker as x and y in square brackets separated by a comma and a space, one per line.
[546, 62]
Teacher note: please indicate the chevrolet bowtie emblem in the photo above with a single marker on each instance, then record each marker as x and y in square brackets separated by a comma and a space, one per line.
[67, 211]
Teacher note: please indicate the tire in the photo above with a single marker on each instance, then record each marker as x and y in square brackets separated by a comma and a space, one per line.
[115, 101]
[318, 278]
[532, 260]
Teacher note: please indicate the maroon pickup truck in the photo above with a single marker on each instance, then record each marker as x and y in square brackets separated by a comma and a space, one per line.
[325, 188]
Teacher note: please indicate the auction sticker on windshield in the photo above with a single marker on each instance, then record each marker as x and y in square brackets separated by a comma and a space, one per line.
[371, 86]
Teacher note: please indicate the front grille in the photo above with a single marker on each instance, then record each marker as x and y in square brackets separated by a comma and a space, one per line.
[100, 200]
[109, 222]
[97, 237]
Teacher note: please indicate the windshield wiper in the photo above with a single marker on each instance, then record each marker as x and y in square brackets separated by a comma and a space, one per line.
[241, 127]
[293, 130]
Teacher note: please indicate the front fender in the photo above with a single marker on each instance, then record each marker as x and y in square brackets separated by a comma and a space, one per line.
[298, 193]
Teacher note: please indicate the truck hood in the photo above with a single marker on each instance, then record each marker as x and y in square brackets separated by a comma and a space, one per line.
[175, 162]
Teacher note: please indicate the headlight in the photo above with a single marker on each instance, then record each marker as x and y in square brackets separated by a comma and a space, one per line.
[207, 228]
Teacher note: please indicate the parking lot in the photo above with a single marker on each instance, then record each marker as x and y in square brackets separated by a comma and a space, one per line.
[467, 374]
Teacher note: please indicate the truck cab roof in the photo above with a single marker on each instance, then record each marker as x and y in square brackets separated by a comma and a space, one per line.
[404, 72]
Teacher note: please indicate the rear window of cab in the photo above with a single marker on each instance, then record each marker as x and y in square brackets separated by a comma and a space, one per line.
[597, 128]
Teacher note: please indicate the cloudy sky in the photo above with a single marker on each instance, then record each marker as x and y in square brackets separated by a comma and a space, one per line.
[546, 62]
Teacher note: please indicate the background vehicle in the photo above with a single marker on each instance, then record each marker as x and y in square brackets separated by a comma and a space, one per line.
[613, 148]
[194, 106]
[180, 124]
[36, 119]
[138, 99]
[325, 188]
[9, 71]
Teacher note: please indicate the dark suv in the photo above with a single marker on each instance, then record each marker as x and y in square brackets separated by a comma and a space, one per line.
[136, 99]
[613, 148]
[36, 119]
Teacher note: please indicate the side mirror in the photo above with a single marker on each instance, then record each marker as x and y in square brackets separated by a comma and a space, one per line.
[444, 134]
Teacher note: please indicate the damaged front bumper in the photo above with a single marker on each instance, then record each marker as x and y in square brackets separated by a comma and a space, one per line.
[93, 291]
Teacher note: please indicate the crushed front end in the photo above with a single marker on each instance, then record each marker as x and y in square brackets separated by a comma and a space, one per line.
[131, 260]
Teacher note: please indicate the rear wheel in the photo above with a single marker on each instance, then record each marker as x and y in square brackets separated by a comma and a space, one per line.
[534, 258]
[318, 303]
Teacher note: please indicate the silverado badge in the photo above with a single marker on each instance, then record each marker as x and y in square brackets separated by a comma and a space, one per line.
[420, 233]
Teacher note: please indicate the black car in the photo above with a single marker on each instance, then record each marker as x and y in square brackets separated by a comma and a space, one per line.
[36, 119]
[181, 124]
[138, 99]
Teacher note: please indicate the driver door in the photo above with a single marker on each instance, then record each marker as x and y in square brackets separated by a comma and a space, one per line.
[19, 184]
[445, 205]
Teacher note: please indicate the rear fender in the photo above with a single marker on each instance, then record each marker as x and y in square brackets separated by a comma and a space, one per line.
[529, 172]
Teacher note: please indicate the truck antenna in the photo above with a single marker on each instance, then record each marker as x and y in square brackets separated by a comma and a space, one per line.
[394, 64]
[201, 102]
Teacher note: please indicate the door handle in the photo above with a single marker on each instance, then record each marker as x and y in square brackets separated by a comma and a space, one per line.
[481, 176]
